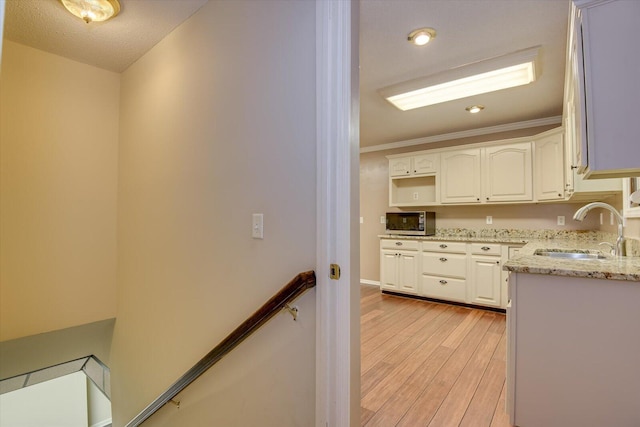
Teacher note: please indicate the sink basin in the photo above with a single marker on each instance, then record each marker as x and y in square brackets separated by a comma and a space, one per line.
[569, 254]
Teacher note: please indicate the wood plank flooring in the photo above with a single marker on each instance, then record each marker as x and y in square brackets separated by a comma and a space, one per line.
[428, 364]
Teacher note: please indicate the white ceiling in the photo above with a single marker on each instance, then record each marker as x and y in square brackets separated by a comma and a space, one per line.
[112, 45]
[467, 31]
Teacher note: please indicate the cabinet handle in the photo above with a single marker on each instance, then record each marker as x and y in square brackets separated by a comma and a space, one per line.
[478, 199]
[443, 282]
[559, 195]
[398, 243]
[443, 246]
[443, 259]
[487, 198]
[485, 248]
[574, 167]
[498, 262]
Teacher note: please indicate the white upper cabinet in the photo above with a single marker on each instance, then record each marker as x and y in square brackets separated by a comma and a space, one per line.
[425, 164]
[460, 176]
[603, 89]
[549, 166]
[507, 173]
[400, 166]
[540, 168]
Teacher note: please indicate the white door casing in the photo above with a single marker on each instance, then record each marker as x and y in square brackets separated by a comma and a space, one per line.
[338, 311]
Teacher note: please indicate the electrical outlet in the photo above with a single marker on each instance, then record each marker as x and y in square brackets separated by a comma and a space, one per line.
[560, 219]
[610, 218]
[601, 218]
[383, 220]
[257, 226]
[415, 195]
[361, 220]
[489, 219]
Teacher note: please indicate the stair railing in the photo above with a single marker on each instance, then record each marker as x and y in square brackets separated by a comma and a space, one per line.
[296, 287]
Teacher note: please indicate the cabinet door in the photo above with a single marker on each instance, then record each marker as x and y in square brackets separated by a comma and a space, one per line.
[425, 164]
[389, 270]
[508, 173]
[485, 281]
[408, 272]
[460, 176]
[611, 89]
[400, 167]
[549, 168]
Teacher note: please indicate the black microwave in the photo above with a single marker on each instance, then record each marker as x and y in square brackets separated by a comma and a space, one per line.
[419, 223]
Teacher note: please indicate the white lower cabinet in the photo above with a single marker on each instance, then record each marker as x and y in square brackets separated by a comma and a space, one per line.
[485, 283]
[444, 288]
[399, 267]
[463, 272]
[444, 272]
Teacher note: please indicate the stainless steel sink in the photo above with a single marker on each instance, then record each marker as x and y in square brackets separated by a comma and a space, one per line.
[570, 254]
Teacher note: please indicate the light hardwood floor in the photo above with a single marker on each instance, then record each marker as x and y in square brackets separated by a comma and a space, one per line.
[428, 364]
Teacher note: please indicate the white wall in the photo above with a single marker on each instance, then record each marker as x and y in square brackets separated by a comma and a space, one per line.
[218, 122]
[58, 187]
[58, 402]
[98, 406]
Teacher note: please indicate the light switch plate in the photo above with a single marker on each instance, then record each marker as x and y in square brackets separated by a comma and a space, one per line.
[560, 219]
[489, 219]
[361, 220]
[257, 226]
[383, 220]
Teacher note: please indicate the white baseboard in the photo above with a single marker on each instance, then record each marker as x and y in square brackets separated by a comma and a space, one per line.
[369, 282]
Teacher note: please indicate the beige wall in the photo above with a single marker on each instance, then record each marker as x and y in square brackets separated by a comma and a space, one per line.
[58, 187]
[374, 202]
[633, 228]
[217, 123]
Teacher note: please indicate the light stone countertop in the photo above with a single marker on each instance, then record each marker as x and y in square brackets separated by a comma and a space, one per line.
[611, 268]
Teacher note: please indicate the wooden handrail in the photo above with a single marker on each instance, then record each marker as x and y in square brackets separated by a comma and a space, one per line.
[296, 287]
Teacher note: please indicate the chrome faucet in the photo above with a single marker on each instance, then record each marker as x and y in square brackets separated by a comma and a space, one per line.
[582, 213]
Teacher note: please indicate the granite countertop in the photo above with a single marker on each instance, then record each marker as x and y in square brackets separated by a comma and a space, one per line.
[611, 268]
[458, 238]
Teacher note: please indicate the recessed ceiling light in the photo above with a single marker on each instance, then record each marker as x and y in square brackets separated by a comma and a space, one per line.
[92, 10]
[503, 72]
[421, 36]
[474, 109]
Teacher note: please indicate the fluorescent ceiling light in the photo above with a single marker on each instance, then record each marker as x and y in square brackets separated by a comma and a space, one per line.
[494, 74]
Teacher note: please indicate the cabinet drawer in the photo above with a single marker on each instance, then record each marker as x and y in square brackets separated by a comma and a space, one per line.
[441, 264]
[444, 288]
[456, 247]
[486, 249]
[400, 244]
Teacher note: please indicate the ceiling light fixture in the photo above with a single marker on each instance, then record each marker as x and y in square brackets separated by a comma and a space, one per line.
[92, 10]
[474, 109]
[515, 69]
[421, 36]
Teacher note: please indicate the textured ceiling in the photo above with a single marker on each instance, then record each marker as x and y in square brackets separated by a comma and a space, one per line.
[112, 45]
[467, 31]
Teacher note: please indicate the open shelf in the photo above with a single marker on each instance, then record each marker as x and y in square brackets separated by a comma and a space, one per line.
[413, 191]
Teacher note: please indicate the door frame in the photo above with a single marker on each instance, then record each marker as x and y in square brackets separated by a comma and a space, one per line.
[338, 231]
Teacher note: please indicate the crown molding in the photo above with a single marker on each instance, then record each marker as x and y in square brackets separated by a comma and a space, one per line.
[464, 134]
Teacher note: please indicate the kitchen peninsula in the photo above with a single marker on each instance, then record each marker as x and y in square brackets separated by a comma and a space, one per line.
[573, 342]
